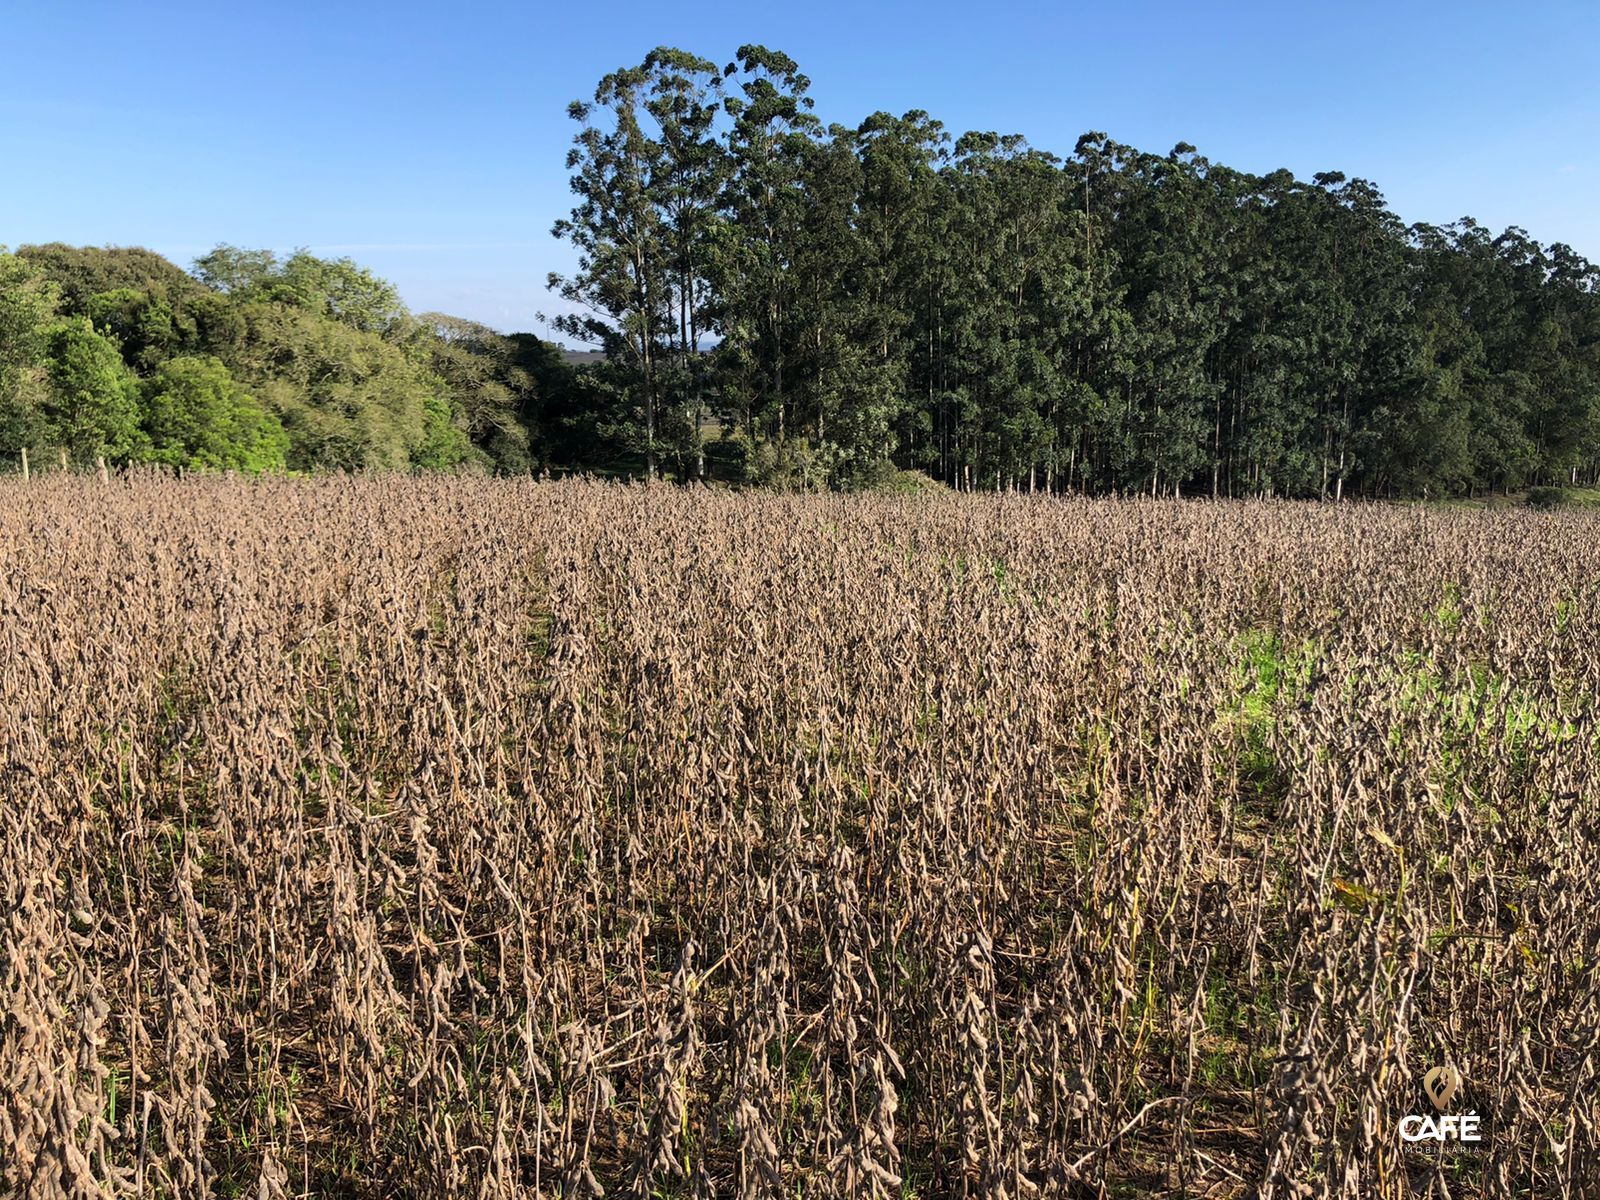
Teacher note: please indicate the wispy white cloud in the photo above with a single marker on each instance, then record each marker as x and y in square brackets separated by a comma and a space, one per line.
[420, 247]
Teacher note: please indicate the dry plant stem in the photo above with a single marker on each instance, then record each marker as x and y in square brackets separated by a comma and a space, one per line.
[467, 838]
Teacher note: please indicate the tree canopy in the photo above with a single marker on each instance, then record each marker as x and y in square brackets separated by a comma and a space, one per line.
[776, 299]
[846, 300]
[253, 362]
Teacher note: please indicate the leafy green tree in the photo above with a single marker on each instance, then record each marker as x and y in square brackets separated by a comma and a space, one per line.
[336, 288]
[327, 347]
[146, 326]
[496, 393]
[81, 272]
[235, 271]
[197, 416]
[322, 346]
[349, 398]
[92, 408]
[443, 443]
[28, 302]
[340, 290]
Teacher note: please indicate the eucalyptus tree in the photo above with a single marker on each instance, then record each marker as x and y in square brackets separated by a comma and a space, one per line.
[828, 347]
[1360, 317]
[1170, 234]
[621, 289]
[1567, 344]
[1100, 333]
[1260, 420]
[1022, 304]
[897, 225]
[687, 176]
[769, 141]
[1528, 318]
[1542, 345]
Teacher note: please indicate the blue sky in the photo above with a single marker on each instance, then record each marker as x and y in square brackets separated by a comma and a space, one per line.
[427, 140]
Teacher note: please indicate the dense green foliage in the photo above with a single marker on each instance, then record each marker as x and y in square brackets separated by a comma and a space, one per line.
[92, 404]
[250, 363]
[785, 302]
[850, 299]
[197, 415]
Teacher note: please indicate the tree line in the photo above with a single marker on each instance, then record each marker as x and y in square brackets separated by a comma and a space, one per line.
[828, 303]
[254, 361]
[785, 302]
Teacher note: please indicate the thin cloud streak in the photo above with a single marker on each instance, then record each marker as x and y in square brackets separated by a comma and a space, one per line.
[420, 247]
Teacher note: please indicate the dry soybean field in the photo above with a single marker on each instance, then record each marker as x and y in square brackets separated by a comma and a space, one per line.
[436, 837]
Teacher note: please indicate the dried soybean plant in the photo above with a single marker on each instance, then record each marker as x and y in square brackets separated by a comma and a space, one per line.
[437, 838]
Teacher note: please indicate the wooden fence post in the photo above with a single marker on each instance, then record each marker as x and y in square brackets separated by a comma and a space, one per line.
[24, 464]
[100, 466]
[63, 453]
